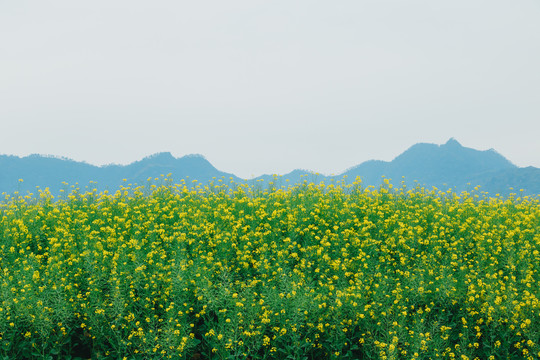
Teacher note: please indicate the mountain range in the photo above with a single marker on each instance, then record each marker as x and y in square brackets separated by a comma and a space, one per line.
[447, 166]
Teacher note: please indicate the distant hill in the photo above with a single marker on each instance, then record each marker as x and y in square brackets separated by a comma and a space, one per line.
[451, 166]
[51, 172]
[447, 166]
[444, 166]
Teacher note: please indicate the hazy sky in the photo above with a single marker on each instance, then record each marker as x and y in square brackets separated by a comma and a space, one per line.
[268, 86]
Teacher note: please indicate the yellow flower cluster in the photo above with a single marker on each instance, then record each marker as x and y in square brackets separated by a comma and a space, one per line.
[266, 271]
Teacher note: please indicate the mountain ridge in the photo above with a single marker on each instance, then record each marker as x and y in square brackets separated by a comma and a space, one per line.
[449, 165]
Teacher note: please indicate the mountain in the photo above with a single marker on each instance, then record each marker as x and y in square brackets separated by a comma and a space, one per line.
[54, 173]
[446, 166]
[450, 165]
[196, 167]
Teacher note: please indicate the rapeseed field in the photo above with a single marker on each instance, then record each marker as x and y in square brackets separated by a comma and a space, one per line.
[235, 271]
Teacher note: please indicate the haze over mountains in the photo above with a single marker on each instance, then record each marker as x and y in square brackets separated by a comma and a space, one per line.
[444, 166]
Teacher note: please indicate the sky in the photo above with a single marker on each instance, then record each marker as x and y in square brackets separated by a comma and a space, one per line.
[268, 86]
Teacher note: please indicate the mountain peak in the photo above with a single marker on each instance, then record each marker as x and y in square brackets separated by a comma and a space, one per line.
[161, 156]
[194, 156]
[452, 143]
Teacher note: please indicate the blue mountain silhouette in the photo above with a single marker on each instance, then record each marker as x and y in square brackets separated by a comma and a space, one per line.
[444, 166]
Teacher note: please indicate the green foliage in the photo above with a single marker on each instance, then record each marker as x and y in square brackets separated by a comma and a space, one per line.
[229, 271]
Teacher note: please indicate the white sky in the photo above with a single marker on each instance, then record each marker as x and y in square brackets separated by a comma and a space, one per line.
[268, 86]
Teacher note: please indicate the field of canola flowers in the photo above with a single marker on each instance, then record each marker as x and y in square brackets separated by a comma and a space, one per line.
[230, 271]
